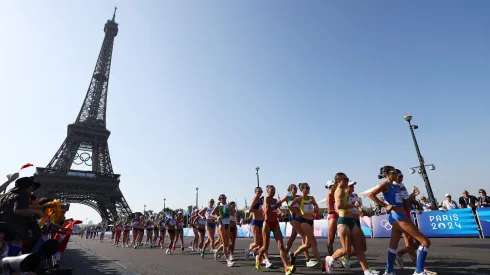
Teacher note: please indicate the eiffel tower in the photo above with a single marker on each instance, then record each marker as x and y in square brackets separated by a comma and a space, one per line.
[86, 144]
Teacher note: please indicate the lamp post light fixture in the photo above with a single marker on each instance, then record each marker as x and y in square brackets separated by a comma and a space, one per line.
[422, 171]
[197, 196]
[430, 166]
[257, 173]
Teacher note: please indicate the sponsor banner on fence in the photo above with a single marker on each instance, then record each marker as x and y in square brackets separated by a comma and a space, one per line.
[452, 223]
[484, 217]
[366, 226]
[320, 228]
[381, 226]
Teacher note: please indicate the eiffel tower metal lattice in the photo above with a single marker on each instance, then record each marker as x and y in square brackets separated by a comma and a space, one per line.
[86, 144]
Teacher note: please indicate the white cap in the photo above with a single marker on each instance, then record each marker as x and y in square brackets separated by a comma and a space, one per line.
[352, 183]
[329, 183]
[447, 195]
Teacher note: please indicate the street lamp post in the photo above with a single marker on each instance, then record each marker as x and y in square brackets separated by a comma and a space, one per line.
[422, 166]
[197, 196]
[257, 169]
[144, 210]
[164, 199]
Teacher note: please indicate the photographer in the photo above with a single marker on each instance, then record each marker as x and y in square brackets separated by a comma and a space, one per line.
[11, 250]
[17, 210]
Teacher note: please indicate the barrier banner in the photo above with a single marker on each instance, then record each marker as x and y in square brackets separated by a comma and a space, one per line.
[381, 226]
[484, 217]
[452, 223]
[366, 226]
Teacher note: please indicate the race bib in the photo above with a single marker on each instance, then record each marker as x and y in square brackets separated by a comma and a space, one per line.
[398, 197]
[172, 222]
[405, 194]
[225, 221]
[308, 207]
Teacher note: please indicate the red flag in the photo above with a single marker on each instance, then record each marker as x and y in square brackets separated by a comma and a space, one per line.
[26, 165]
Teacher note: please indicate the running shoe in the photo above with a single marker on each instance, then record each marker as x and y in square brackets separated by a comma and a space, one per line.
[311, 263]
[291, 257]
[268, 264]
[370, 272]
[328, 264]
[430, 272]
[231, 257]
[420, 273]
[373, 271]
[290, 269]
[246, 255]
[345, 262]
[202, 254]
[399, 261]
[229, 263]
[182, 249]
[215, 255]
[391, 273]
[258, 266]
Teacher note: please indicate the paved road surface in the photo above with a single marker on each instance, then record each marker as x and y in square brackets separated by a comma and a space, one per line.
[446, 256]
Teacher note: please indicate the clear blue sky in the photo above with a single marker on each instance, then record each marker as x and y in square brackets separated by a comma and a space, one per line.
[203, 92]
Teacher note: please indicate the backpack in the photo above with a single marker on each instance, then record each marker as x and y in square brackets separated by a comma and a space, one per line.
[7, 207]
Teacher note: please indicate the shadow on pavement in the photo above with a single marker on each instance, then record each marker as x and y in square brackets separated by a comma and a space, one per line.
[83, 261]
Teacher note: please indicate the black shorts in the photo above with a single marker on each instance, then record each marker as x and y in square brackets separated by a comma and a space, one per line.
[347, 221]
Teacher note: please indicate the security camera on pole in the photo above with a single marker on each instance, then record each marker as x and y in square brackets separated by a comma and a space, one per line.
[422, 171]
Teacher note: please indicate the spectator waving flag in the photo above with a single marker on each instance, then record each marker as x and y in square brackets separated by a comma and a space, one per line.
[26, 165]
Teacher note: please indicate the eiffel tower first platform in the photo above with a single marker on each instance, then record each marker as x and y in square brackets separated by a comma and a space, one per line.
[86, 144]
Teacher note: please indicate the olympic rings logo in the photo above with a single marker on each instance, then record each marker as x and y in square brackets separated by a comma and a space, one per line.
[386, 225]
[84, 158]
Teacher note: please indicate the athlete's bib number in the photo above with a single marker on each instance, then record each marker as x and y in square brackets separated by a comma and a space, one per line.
[308, 208]
[225, 220]
[398, 197]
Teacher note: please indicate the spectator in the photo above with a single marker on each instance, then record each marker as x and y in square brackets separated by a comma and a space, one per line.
[10, 179]
[467, 201]
[449, 204]
[483, 199]
[426, 206]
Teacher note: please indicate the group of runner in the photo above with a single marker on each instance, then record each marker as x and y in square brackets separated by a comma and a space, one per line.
[343, 219]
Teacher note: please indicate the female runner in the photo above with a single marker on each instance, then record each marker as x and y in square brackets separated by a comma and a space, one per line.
[210, 226]
[155, 232]
[397, 218]
[333, 216]
[271, 209]
[307, 206]
[194, 226]
[162, 229]
[149, 231]
[347, 228]
[180, 231]
[200, 225]
[117, 232]
[135, 223]
[233, 228]
[256, 209]
[170, 225]
[141, 230]
[127, 229]
[294, 220]
[222, 213]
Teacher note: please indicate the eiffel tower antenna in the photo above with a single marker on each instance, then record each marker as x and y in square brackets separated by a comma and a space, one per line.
[114, 15]
[86, 144]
